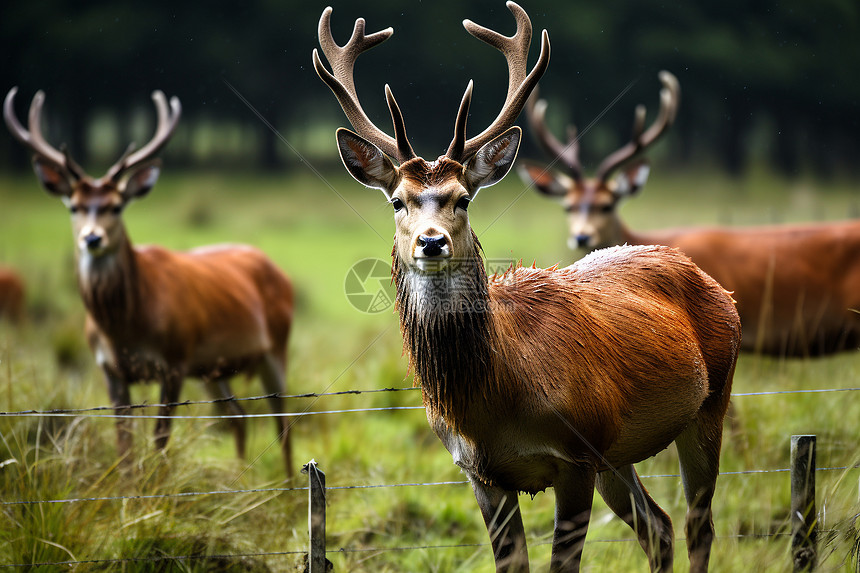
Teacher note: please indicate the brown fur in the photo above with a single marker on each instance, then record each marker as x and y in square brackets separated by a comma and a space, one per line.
[797, 286]
[603, 325]
[11, 296]
[558, 378]
[156, 314]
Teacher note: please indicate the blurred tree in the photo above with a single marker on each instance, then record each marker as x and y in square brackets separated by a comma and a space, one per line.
[759, 78]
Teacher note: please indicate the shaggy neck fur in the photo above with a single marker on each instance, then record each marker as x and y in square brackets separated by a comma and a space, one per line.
[109, 287]
[447, 325]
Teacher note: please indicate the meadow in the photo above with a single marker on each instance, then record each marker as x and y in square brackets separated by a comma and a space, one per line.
[150, 517]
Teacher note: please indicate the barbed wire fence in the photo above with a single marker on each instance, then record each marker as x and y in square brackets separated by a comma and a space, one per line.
[803, 521]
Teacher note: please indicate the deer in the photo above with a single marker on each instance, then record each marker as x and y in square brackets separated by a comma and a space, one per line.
[11, 295]
[157, 314]
[537, 378]
[797, 286]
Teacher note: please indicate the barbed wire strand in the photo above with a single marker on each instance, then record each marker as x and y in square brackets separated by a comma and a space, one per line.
[350, 487]
[212, 416]
[79, 411]
[212, 401]
[66, 412]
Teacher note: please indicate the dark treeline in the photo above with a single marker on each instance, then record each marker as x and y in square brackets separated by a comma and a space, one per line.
[761, 80]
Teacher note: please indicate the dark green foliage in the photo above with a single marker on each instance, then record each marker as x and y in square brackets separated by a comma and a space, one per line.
[759, 79]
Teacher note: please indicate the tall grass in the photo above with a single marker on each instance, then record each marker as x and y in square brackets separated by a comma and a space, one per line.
[315, 232]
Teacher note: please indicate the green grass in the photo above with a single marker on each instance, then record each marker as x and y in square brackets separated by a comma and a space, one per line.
[315, 231]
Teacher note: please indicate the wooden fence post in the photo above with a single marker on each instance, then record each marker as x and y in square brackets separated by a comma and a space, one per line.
[317, 562]
[804, 520]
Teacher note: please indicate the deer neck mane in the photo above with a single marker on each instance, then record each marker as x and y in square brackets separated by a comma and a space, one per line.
[446, 320]
[109, 286]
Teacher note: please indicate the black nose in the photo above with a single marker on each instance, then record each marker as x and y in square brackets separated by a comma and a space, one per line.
[93, 241]
[432, 246]
[582, 240]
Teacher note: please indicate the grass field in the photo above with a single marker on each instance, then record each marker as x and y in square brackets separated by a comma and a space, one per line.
[316, 230]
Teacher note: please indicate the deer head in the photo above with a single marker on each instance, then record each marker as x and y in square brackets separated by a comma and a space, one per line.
[592, 202]
[430, 198]
[95, 205]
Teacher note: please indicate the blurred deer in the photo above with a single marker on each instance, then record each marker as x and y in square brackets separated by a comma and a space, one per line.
[543, 378]
[797, 286]
[11, 295]
[152, 313]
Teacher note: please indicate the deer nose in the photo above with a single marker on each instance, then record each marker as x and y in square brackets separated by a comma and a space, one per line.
[582, 240]
[93, 241]
[431, 246]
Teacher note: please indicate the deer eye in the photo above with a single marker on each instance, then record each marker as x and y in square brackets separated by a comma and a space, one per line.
[463, 204]
[116, 209]
[73, 209]
[397, 204]
[606, 209]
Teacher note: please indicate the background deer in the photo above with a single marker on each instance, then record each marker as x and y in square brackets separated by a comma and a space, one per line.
[797, 286]
[543, 378]
[210, 313]
[11, 295]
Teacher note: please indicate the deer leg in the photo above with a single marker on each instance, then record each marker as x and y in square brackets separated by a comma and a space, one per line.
[272, 374]
[574, 492]
[120, 398]
[219, 388]
[171, 385]
[699, 454]
[624, 494]
[501, 511]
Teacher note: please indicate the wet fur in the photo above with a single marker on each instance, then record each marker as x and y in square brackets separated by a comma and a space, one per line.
[575, 346]
[164, 315]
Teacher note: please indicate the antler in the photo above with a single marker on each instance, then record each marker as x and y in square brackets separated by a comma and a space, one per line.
[168, 118]
[669, 98]
[567, 154]
[516, 50]
[33, 138]
[342, 61]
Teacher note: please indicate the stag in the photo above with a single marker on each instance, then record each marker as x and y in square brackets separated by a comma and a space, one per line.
[156, 314]
[796, 286]
[11, 295]
[542, 378]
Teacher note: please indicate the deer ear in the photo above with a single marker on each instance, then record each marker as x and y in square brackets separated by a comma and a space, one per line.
[55, 179]
[493, 161]
[543, 180]
[630, 181]
[141, 180]
[366, 162]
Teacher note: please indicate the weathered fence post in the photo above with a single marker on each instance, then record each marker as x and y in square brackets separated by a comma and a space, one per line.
[316, 518]
[804, 520]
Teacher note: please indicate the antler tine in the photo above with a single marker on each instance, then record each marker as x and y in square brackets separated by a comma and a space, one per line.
[168, 119]
[71, 165]
[567, 154]
[638, 121]
[39, 144]
[670, 96]
[520, 85]
[458, 144]
[341, 82]
[33, 138]
[404, 149]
